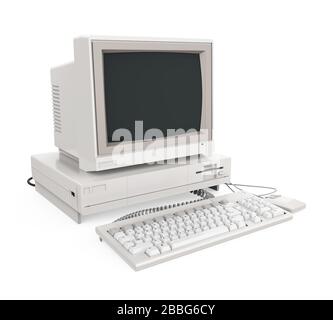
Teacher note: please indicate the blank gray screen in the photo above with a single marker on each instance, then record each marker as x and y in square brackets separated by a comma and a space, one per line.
[162, 89]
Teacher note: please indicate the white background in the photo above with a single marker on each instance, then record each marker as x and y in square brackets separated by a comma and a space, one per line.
[273, 99]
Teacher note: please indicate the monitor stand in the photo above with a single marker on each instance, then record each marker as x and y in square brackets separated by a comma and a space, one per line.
[78, 193]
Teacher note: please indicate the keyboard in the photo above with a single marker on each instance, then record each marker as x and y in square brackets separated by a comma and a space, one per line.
[158, 237]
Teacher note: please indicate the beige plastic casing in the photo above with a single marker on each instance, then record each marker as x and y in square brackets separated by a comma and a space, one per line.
[78, 193]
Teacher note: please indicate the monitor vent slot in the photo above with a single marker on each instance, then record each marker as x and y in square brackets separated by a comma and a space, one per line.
[56, 108]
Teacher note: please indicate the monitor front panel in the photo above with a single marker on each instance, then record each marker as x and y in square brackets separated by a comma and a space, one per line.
[148, 91]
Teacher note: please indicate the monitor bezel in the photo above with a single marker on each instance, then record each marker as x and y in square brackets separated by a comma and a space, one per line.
[100, 47]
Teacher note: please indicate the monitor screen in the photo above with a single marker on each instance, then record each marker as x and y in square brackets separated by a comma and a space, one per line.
[162, 89]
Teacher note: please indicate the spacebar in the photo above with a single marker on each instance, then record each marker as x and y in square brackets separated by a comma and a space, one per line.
[197, 237]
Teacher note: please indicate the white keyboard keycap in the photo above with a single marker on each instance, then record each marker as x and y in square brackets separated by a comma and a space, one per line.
[153, 251]
[233, 227]
[164, 248]
[264, 209]
[223, 229]
[125, 239]
[231, 214]
[240, 224]
[182, 235]
[267, 215]
[256, 219]
[119, 235]
[127, 245]
[130, 232]
[252, 214]
[157, 242]
[140, 247]
[277, 212]
[237, 218]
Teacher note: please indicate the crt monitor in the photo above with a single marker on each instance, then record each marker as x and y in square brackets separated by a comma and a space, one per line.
[122, 97]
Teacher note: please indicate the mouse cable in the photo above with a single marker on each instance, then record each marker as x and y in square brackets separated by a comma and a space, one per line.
[229, 187]
[239, 187]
